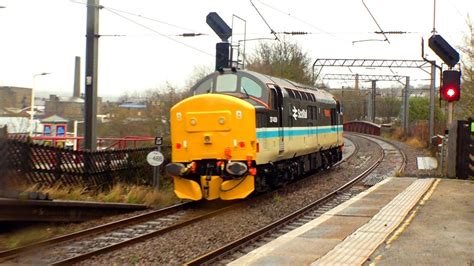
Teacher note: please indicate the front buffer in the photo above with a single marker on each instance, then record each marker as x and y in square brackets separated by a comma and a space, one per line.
[214, 147]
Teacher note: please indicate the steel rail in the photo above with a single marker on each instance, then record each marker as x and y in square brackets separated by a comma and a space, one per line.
[404, 162]
[224, 250]
[140, 238]
[8, 254]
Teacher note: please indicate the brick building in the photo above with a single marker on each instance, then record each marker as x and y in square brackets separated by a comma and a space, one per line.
[14, 97]
[71, 108]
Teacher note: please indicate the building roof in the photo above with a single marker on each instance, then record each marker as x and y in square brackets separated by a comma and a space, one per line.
[53, 97]
[54, 119]
[133, 105]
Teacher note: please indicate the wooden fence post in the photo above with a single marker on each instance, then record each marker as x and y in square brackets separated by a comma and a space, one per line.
[57, 169]
[3, 156]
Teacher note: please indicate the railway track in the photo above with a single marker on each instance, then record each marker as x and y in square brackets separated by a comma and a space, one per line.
[112, 236]
[244, 245]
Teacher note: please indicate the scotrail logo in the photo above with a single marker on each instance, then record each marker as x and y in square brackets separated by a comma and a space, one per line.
[299, 113]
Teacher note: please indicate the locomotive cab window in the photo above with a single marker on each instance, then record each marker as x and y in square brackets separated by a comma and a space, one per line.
[226, 83]
[205, 86]
[250, 87]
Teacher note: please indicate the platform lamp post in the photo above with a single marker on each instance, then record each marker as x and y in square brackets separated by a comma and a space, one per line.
[32, 109]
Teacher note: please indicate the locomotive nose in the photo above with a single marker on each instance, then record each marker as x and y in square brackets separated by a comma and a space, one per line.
[214, 127]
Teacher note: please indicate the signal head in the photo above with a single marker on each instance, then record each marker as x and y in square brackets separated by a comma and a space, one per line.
[451, 88]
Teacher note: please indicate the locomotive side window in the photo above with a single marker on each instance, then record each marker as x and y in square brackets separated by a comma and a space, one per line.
[226, 83]
[250, 87]
[205, 87]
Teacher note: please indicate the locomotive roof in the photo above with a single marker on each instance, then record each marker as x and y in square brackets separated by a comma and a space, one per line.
[321, 95]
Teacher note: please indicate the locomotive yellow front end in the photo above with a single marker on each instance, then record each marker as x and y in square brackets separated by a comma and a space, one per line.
[214, 147]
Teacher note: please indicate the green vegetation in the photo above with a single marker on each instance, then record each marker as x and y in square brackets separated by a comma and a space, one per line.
[420, 108]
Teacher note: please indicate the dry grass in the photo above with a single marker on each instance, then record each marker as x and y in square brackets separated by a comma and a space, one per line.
[415, 142]
[415, 138]
[397, 133]
[118, 193]
[31, 234]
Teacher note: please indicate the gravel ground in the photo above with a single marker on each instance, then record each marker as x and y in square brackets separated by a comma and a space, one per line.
[411, 169]
[183, 245]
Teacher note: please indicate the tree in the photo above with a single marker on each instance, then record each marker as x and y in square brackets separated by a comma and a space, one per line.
[283, 59]
[199, 72]
[465, 106]
[150, 121]
[419, 109]
[388, 107]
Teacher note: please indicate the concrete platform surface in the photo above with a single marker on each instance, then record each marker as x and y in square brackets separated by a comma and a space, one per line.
[440, 232]
[375, 227]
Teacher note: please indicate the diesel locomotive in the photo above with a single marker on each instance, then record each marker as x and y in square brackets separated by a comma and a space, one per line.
[242, 131]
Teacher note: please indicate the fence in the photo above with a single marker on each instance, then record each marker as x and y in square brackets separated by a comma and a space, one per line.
[362, 127]
[49, 166]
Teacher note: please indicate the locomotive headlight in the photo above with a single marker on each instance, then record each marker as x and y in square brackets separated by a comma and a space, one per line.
[175, 169]
[221, 120]
[236, 168]
[193, 121]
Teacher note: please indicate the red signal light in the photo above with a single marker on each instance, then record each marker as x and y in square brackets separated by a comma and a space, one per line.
[451, 88]
[450, 92]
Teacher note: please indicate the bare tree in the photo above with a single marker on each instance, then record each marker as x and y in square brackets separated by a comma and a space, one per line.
[465, 106]
[199, 72]
[283, 59]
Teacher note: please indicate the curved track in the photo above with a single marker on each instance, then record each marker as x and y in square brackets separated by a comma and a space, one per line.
[105, 238]
[235, 249]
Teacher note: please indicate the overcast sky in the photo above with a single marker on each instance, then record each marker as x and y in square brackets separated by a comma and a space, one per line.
[139, 49]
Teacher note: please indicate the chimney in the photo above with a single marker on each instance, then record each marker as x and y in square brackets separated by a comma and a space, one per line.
[77, 77]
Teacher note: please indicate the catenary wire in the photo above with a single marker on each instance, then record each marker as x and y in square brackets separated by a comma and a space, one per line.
[146, 27]
[161, 34]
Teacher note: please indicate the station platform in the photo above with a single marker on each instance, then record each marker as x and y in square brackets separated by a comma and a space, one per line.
[399, 221]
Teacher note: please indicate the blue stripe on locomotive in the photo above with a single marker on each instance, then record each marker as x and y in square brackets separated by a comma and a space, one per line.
[299, 131]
